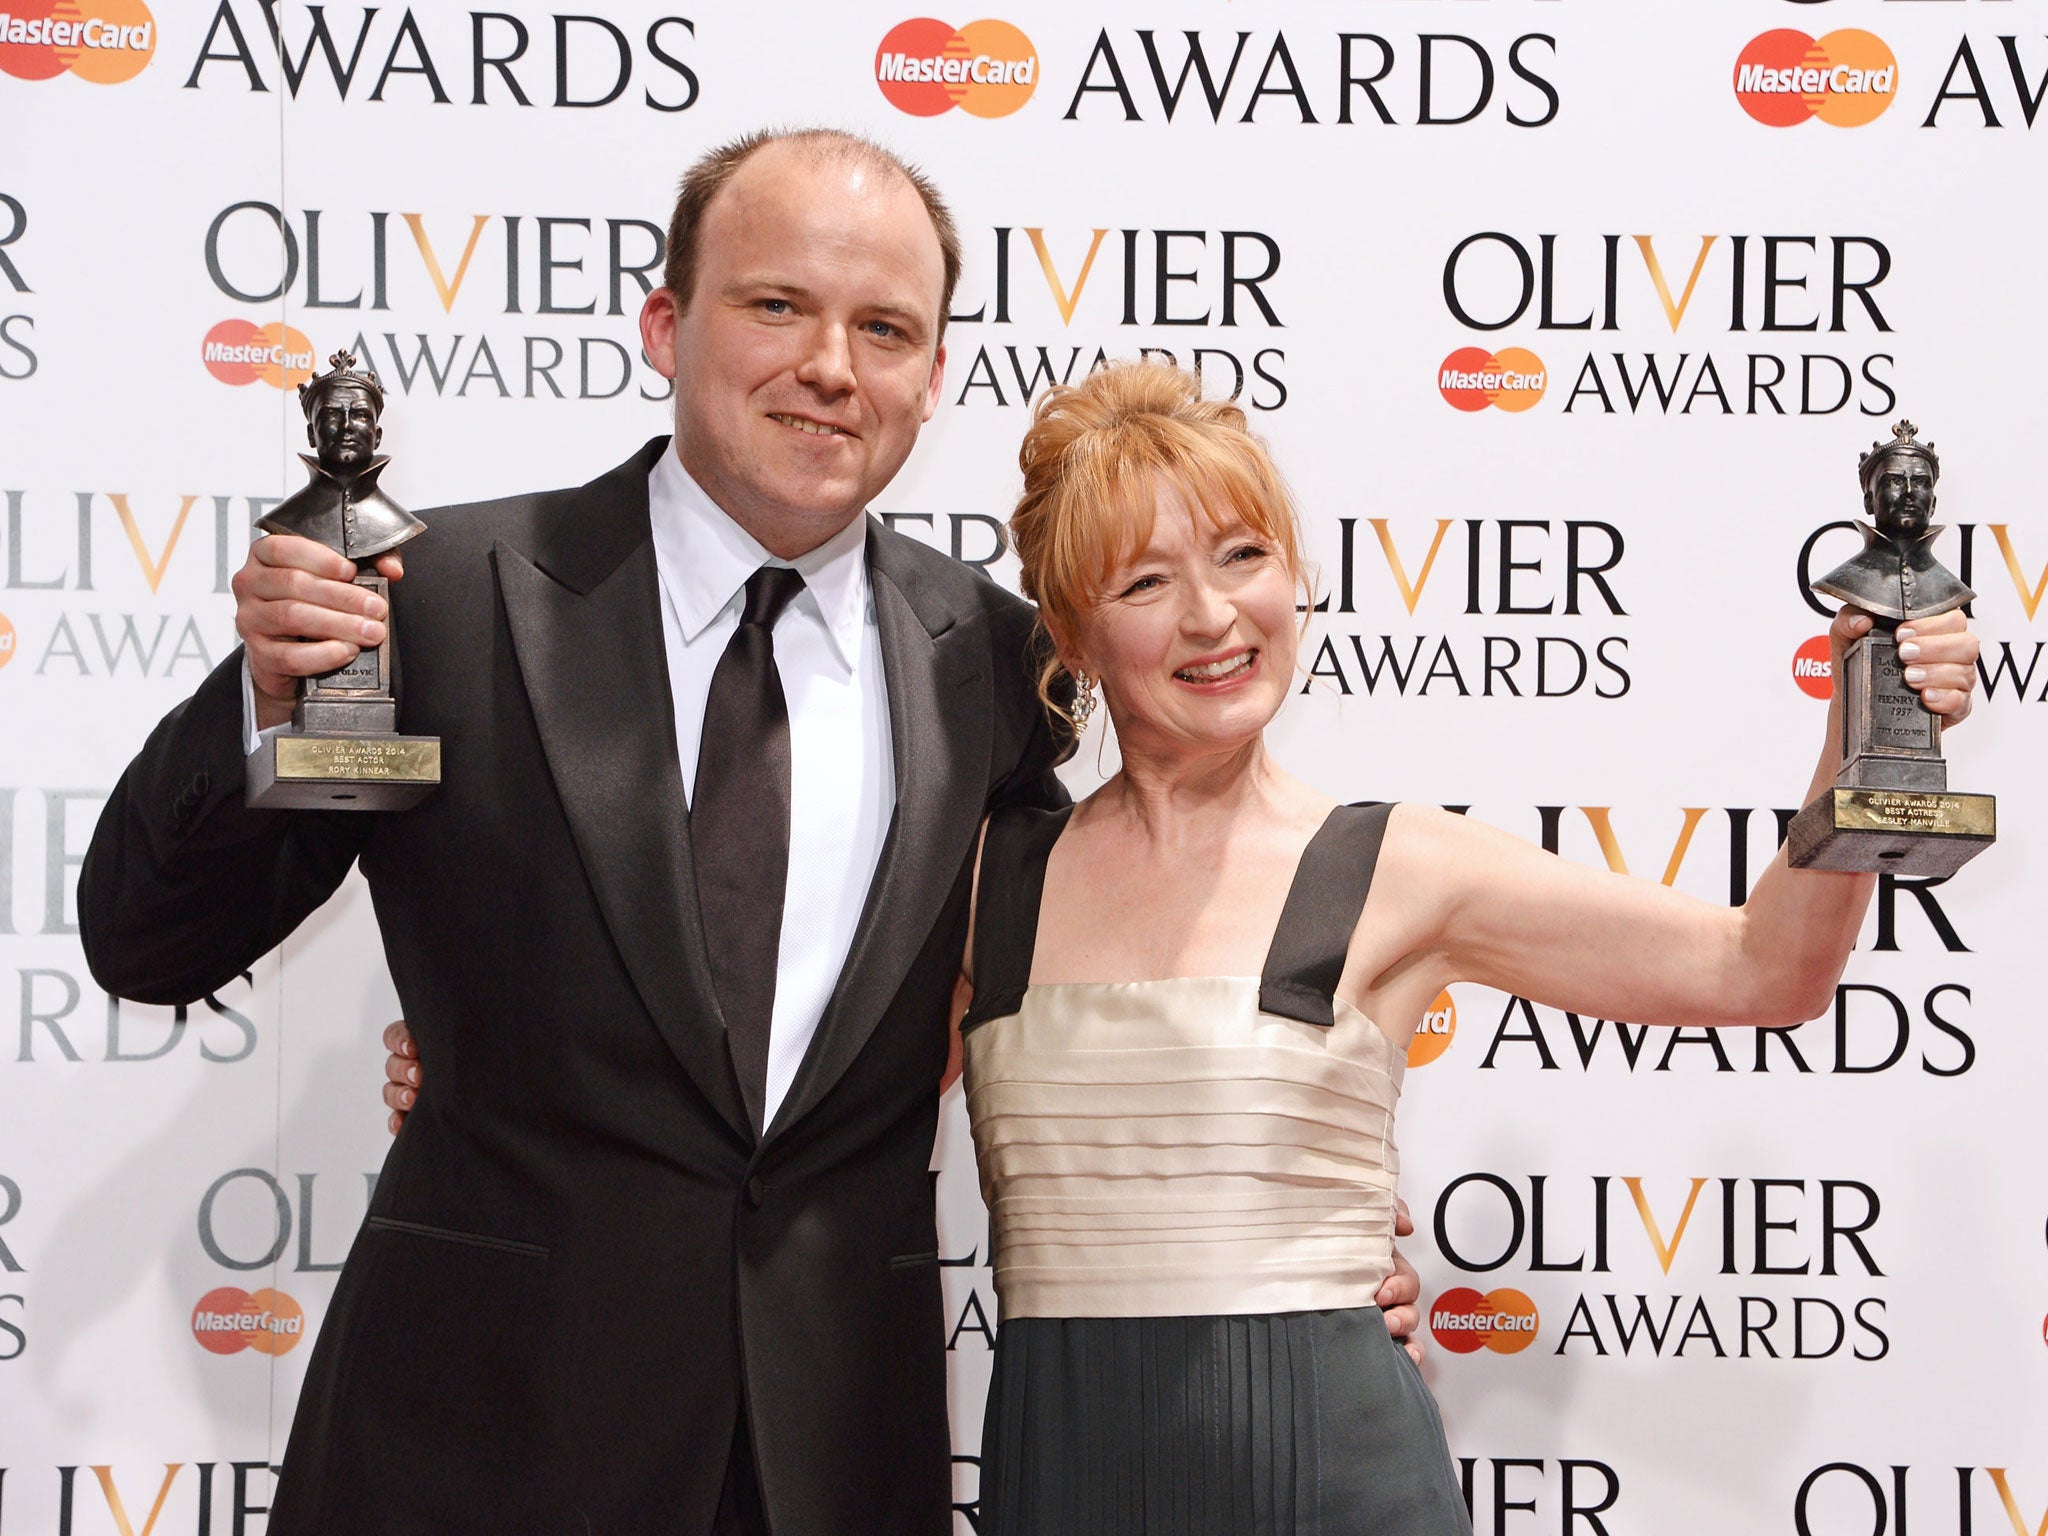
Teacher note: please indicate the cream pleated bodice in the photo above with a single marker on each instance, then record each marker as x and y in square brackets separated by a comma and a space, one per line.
[1188, 1147]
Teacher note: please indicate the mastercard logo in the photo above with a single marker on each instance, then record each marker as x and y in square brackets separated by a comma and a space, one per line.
[1432, 1036]
[237, 352]
[231, 1319]
[6, 640]
[1813, 669]
[1472, 378]
[104, 41]
[986, 68]
[1464, 1321]
[1847, 78]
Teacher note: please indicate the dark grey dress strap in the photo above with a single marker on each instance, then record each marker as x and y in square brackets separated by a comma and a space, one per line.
[1013, 854]
[1329, 891]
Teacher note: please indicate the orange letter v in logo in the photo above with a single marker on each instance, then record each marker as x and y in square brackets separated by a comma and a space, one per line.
[1664, 1254]
[1052, 277]
[152, 570]
[446, 288]
[2029, 600]
[2012, 1507]
[1674, 312]
[1409, 595]
[120, 1510]
[1610, 845]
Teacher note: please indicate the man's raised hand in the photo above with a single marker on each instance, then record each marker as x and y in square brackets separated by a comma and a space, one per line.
[300, 615]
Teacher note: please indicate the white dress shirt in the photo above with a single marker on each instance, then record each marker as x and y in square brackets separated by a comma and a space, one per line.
[828, 652]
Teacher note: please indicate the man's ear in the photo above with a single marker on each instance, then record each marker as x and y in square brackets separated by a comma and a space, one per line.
[658, 317]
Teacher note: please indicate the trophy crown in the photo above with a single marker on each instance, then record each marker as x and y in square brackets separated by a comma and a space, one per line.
[1905, 439]
[341, 370]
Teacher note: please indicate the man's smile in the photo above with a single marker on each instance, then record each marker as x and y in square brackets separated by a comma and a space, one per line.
[806, 424]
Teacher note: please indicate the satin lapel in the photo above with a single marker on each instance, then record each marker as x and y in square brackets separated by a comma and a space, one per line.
[939, 737]
[597, 677]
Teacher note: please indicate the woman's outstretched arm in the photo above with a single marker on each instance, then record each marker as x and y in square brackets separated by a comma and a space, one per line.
[1494, 910]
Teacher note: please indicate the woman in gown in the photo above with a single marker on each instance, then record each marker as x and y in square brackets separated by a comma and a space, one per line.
[1191, 1001]
[1192, 996]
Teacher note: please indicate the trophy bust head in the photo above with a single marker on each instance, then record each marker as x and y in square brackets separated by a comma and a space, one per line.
[342, 407]
[344, 505]
[1896, 577]
[1898, 485]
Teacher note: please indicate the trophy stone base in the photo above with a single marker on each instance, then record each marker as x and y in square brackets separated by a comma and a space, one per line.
[1918, 833]
[295, 771]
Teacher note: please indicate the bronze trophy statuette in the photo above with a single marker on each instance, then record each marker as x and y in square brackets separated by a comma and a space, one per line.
[1890, 810]
[342, 750]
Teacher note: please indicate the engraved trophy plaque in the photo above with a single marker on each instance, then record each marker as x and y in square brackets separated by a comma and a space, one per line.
[1890, 810]
[342, 750]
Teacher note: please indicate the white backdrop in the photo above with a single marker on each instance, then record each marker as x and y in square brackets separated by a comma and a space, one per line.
[1844, 1326]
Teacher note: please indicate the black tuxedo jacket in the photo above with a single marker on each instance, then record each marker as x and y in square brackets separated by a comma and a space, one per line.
[579, 1264]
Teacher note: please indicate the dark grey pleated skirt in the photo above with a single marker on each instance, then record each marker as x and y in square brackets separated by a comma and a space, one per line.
[1282, 1425]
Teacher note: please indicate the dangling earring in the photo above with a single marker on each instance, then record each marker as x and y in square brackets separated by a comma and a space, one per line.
[1084, 701]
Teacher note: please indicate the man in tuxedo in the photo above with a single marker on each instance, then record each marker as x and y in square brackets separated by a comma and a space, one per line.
[676, 936]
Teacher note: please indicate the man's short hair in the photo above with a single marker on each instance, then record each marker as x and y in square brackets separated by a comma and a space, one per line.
[702, 181]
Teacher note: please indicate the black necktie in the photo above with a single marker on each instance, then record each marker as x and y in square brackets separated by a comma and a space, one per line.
[739, 826]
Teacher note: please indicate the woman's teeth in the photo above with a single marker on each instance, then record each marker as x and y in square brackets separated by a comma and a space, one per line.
[816, 428]
[1216, 671]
